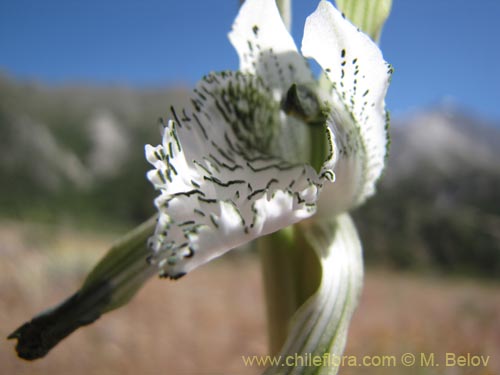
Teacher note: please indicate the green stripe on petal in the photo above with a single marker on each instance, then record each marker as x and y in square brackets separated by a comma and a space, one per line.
[320, 326]
[359, 79]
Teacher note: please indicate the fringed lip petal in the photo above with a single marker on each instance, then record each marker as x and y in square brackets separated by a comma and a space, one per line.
[220, 183]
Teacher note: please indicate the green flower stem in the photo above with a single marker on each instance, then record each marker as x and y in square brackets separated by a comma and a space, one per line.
[111, 284]
[291, 274]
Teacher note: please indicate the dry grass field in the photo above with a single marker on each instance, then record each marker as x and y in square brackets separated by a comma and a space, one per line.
[203, 323]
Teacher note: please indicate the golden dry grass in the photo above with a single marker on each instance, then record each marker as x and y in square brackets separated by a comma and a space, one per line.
[205, 322]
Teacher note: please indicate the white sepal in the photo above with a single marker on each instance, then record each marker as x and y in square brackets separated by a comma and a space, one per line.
[266, 48]
[359, 79]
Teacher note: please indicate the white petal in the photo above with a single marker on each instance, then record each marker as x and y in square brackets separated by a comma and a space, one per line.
[359, 77]
[220, 184]
[319, 328]
[266, 48]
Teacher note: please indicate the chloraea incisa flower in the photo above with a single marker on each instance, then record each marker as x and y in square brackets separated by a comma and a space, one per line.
[257, 150]
[269, 145]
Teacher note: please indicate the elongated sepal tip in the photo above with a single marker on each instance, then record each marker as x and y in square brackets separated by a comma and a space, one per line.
[38, 336]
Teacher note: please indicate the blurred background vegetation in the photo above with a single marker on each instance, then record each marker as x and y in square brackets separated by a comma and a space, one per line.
[75, 154]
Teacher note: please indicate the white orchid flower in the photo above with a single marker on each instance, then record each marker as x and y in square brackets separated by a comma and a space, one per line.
[267, 146]
[256, 151]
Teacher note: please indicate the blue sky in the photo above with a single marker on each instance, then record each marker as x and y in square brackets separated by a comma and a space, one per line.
[440, 49]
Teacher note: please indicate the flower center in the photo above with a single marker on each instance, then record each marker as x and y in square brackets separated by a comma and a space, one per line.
[248, 107]
[302, 102]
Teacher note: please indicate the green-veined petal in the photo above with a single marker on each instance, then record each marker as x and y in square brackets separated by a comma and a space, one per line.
[319, 328]
[359, 77]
